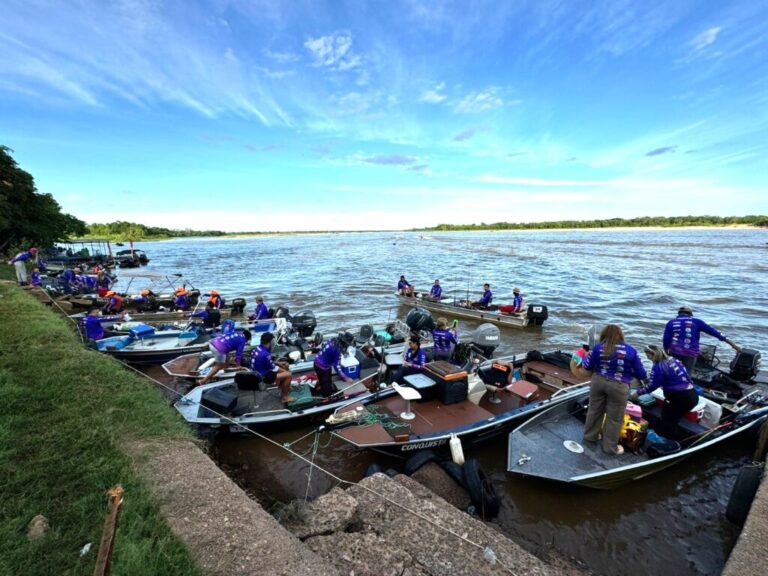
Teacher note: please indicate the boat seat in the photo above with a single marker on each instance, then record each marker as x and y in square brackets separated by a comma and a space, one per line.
[550, 374]
[407, 393]
[365, 334]
[685, 428]
[526, 391]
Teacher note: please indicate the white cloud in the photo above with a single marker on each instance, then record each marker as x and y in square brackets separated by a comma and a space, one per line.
[538, 182]
[282, 57]
[704, 39]
[479, 102]
[333, 51]
[433, 96]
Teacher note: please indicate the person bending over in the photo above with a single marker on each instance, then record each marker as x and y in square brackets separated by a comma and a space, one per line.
[261, 362]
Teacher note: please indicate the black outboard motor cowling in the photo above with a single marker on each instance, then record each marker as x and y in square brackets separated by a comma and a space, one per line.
[304, 323]
[419, 319]
[487, 338]
[536, 314]
[282, 312]
[238, 306]
[745, 365]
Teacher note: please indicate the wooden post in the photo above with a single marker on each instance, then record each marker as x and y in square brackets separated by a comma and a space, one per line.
[104, 559]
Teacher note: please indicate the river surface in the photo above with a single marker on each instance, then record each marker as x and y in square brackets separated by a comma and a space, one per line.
[672, 522]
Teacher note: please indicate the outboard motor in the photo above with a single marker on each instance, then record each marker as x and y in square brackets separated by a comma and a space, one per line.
[486, 337]
[536, 314]
[238, 306]
[419, 319]
[745, 365]
[282, 312]
[304, 323]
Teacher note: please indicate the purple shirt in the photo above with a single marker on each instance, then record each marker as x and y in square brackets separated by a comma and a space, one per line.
[21, 257]
[92, 326]
[104, 282]
[517, 303]
[623, 365]
[181, 302]
[36, 280]
[416, 359]
[261, 360]
[670, 375]
[230, 342]
[443, 338]
[681, 335]
[261, 312]
[67, 277]
[486, 298]
[403, 284]
[328, 356]
[436, 291]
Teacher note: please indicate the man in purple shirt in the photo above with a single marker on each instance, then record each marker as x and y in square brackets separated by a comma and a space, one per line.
[436, 292]
[681, 337]
[261, 362]
[330, 357]
[20, 263]
[261, 312]
[181, 302]
[91, 324]
[404, 287]
[485, 299]
[222, 346]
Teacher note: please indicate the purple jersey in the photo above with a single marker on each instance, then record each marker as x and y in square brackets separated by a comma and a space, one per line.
[93, 328]
[104, 282]
[329, 356]
[670, 375]
[261, 360]
[67, 277]
[681, 335]
[261, 312]
[230, 343]
[486, 298]
[623, 365]
[403, 284]
[36, 280]
[517, 303]
[436, 291]
[22, 257]
[181, 302]
[417, 359]
[443, 338]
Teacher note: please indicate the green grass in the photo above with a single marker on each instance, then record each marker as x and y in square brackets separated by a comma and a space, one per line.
[65, 411]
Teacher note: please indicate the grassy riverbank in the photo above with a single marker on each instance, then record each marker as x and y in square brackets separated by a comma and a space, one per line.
[65, 411]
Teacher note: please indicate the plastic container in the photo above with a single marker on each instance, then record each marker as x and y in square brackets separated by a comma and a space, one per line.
[350, 367]
[634, 411]
[457, 453]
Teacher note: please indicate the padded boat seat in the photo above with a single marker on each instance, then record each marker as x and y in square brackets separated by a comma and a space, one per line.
[526, 391]
[407, 393]
[685, 427]
[550, 374]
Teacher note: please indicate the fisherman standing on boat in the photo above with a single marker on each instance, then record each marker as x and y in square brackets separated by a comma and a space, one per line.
[436, 292]
[517, 304]
[261, 312]
[103, 282]
[613, 364]
[66, 280]
[681, 337]
[485, 299]
[222, 346]
[91, 324]
[443, 340]
[405, 288]
[413, 362]
[679, 394]
[261, 362]
[329, 358]
[20, 263]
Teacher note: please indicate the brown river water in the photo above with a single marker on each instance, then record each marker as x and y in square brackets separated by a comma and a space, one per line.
[673, 522]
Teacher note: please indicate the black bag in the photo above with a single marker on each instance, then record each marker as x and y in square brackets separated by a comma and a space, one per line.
[662, 448]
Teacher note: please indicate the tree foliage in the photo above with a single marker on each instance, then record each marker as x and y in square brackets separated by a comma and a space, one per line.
[121, 230]
[640, 222]
[28, 217]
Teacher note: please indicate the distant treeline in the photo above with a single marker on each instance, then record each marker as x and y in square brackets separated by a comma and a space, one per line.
[641, 222]
[131, 231]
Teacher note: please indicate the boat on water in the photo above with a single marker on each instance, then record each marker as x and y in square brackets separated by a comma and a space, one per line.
[82, 252]
[550, 446]
[533, 315]
[244, 402]
[132, 258]
[444, 400]
[146, 346]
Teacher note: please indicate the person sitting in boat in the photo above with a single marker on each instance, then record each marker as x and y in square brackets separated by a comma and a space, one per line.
[261, 312]
[485, 300]
[91, 324]
[436, 292]
[181, 302]
[35, 279]
[221, 347]
[517, 304]
[613, 365]
[210, 316]
[261, 362]
[216, 300]
[414, 360]
[103, 282]
[114, 303]
[444, 339]
[328, 359]
[145, 301]
[404, 288]
[20, 263]
[679, 394]
[681, 337]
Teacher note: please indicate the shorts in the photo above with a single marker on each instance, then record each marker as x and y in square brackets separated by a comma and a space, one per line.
[219, 357]
[270, 377]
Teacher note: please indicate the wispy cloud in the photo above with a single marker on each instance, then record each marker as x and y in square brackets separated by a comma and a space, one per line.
[433, 95]
[391, 160]
[661, 151]
[468, 133]
[333, 51]
[282, 57]
[538, 182]
[704, 39]
[477, 102]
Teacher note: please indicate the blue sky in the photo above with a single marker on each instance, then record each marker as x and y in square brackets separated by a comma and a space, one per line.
[261, 115]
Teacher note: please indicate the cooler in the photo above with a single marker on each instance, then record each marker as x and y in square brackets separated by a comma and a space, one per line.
[696, 413]
[451, 381]
[142, 331]
[350, 367]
